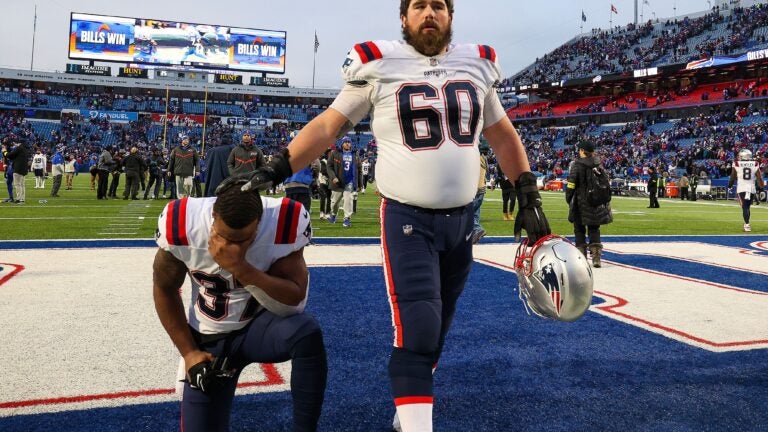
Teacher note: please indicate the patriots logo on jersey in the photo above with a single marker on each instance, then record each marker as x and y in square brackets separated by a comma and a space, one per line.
[548, 277]
[347, 63]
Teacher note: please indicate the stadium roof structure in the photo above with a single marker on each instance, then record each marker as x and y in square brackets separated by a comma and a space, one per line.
[88, 80]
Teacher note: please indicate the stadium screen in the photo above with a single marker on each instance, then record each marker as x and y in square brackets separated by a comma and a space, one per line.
[156, 42]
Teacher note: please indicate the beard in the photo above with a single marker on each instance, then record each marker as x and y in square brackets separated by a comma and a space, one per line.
[429, 44]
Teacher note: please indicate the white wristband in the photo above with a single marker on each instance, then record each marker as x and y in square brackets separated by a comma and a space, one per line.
[274, 306]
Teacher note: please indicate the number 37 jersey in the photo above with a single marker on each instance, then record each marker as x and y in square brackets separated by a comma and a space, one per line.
[426, 115]
[219, 303]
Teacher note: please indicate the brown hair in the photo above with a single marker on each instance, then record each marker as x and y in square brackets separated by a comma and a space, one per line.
[405, 3]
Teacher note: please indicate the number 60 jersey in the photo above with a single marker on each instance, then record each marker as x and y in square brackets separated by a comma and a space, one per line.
[219, 303]
[426, 115]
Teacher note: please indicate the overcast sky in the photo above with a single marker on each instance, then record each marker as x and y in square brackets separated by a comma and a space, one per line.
[519, 30]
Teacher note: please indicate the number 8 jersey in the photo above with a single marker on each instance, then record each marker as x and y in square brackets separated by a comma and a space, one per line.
[219, 303]
[426, 115]
[746, 173]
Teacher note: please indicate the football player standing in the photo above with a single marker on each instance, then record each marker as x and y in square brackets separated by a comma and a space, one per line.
[429, 100]
[744, 173]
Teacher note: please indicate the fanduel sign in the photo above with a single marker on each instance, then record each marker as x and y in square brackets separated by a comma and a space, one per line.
[115, 116]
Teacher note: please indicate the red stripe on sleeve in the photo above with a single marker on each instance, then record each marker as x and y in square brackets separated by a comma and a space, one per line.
[376, 52]
[493, 54]
[281, 221]
[481, 48]
[363, 56]
[182, 226]
[297, 209]
[169, 223]
[410, 400]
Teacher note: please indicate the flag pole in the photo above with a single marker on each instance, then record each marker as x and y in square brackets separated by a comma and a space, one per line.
[610, 19]
[205, 117]
[314, 59]
[165, 118]
[34, 31]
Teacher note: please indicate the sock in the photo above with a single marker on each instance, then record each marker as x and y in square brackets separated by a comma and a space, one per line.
[396, 421]
[410, 374]
[415, 417]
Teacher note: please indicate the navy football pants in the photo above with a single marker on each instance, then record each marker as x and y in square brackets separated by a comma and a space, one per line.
[267, 339]
[427, 259]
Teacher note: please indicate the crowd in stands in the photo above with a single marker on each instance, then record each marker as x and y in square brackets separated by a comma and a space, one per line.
[703, 145]
[686, 93]
[623, 49]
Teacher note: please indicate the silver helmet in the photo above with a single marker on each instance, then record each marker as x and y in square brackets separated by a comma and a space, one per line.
[555, 278]
[745, 155]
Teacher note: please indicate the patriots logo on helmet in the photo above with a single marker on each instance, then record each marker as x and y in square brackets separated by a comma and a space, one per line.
[554, 278]
[548, 278]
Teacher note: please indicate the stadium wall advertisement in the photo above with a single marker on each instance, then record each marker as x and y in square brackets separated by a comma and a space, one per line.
[158, 42]
[248, 122]
[179, 118]
[114, 116]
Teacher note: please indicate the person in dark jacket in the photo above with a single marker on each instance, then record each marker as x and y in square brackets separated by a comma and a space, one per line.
[586, 218]
[183, 163]
[117, 169]
[653, 187]
[133, 165]
[218, 170]
[323, 188]
[154, 168]
[246, 157]
[104, 167]
[507, 197]
[344, 179]
[19, 157]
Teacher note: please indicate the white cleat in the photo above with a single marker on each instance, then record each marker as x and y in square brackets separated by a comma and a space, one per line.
[747, 228]
[396, 424]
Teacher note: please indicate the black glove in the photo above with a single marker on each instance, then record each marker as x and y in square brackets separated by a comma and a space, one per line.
[210, 377]
[237, 179]
[530, 217]
[274, 173]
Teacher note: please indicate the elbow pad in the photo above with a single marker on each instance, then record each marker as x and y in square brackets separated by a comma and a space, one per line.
[274, 306]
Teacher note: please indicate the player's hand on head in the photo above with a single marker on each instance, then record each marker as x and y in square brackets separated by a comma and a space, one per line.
[530, 216]
[261, 179]
[274, 173]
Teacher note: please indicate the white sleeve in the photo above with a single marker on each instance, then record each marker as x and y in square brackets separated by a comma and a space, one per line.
[354, 102]
[492, 110]
[274, 306]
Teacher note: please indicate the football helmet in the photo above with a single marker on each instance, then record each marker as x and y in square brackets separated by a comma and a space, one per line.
[745, 155]
[554, 277]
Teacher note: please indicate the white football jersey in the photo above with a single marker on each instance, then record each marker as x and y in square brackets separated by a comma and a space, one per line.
[38, 161]
[746, 172]
[219, 303]
[426, 115]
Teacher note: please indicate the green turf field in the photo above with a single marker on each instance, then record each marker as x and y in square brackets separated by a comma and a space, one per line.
[77, 214]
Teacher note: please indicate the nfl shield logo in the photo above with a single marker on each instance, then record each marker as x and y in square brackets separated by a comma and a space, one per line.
[407, 229]
[433, 62]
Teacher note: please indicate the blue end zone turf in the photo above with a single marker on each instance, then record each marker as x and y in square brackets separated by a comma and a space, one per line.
[502, 371]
